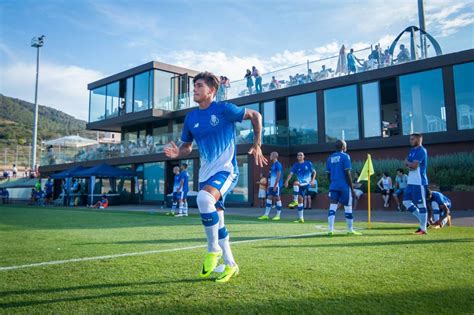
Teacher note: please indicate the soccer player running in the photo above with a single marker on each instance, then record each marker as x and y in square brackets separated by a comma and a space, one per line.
[341, 191]
[212, 126]
[306, 174]
[274, 193]
[441, 207]
[182, 191]
[414, 198]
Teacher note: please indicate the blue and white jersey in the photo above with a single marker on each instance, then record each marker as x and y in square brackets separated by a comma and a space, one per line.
[213, 129]
[177, 180]
[336, 165]
[303, 172]
[49, 187]
[185, 177]
[418, 176]
[440, 198]
[276, 167]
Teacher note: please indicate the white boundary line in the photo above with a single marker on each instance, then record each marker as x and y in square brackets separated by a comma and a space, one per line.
[149, 252]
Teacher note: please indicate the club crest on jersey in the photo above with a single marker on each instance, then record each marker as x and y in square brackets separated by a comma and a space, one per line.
[214, 120]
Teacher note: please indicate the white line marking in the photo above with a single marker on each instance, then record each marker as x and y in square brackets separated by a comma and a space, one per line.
[149, 252]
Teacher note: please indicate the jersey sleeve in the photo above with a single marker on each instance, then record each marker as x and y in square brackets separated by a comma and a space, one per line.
[311, 166]
[278, 168]
[293, 169]
[186, 135]
[420, 156]
[328, 167]
[347, 163]
[233, 112]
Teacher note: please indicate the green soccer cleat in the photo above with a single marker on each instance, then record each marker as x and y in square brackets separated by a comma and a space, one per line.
[169, 213]
[331, 233]
[299, 221]
[293, 204]
[263, 217]
[353, 233]
[229, 272]
[209, 264]
[276, 218]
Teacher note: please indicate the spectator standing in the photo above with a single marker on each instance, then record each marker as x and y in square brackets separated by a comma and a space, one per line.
[351, 62]
[258, 80]
[248, 77]
[386, 186]
[401, 182]
[14, 171]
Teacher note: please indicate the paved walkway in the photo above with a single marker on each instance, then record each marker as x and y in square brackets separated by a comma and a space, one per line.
[460, 218]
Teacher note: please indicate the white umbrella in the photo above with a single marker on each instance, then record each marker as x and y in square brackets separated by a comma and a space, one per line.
[342, 61]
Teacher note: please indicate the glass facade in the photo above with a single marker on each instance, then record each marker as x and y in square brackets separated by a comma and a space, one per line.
[340, 113]
[241, 191]
[141, 92]
[371, 109]
[464, 94]
[162, 93]
[190, 170]
[112, 105]
[303, 119]
[269, 122]
[244, 129]
[97, 104]
[129, 95]
[422, 102]
[154, 181]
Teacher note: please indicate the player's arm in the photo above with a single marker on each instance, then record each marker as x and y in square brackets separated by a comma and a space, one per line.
[445, 211]
[412, 165]
[174, 151]
[181, 184]
[379, 184]
[277, 180]
[313, 177]
[288, 179]
[256, 150]
[349, 178]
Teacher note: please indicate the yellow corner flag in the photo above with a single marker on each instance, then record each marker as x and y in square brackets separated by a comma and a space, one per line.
[367, 171]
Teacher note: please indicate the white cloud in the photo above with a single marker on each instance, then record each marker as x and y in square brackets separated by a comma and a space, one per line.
[63, 87]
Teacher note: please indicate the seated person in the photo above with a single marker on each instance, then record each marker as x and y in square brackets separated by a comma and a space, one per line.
[403, 55]
[6, 175]
[357, 189]
[101, 204]
[386, 187]
[312, 192]
[440, 206]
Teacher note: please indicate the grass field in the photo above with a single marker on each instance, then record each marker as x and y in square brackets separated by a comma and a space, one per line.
[387, 270]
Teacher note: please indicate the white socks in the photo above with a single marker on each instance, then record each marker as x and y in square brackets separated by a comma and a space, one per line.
[224, 241]
[210, 219]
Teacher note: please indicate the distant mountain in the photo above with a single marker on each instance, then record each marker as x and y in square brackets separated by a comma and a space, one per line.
[16, 122]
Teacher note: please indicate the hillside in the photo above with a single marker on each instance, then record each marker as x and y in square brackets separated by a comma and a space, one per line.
[16, 122]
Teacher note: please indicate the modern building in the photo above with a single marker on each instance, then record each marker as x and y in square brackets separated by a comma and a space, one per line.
[374, 110]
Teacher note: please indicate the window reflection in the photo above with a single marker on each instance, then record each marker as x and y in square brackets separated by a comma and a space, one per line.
[464, 94]
[302, 119]
[97, 104]
[241, 191]
[422, 102]
[341, 116]
[371, 110]
[141, 92]
[112, 109]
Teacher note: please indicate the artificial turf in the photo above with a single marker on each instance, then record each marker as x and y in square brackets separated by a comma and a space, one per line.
[387, 270]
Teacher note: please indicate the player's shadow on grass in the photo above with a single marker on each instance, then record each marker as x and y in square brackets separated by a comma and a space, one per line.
[370, 244]
[68, 290]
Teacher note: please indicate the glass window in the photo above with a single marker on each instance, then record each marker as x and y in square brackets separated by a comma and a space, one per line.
[154, 181]
[244, 129]
[464, 94]
[129, 96]
[97, 104]
[241, 191]
[371, 109]
[269, 122]
[303, 119]
[341, 116]
[112, 100]
[160, 135]
[141, 92]
[422, 102]
[162, 92]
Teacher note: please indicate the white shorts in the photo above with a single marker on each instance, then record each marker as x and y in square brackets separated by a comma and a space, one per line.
[262, 193]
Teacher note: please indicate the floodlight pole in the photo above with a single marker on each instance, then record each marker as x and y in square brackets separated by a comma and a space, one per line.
[421, 18]
[36, 42]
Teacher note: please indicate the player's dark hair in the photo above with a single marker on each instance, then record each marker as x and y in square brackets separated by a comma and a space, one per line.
[209, 78]
[184, 165]
[386, 174]
[400, 170]
[340, 144]
[417, 135]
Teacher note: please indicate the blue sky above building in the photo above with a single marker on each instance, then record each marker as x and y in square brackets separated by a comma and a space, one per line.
[87, 40]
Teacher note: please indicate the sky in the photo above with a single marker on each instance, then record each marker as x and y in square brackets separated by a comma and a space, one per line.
[90, 39]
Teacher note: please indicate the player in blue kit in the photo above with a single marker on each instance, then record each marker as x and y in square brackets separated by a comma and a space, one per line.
[306, 174]
[183, 191]
[341, 191]
[274, 188]
[176, 194]
[441, 208]
[414, 198]
[212, 126]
